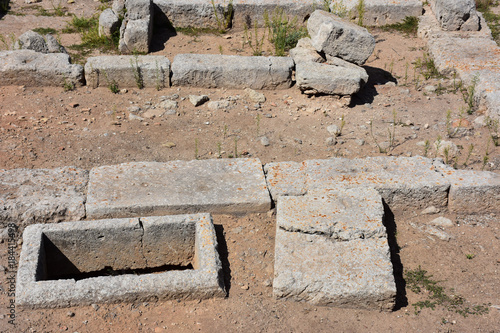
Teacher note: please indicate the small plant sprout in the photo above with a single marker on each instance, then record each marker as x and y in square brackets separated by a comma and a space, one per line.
[219, 150]
[437, 145]
[380, 150]
[407, 65]
[257, 124]
[158, 77]
[470, 256]
[224, 131]
[342, 124]
[469, 154]
[492, 125]
[253, 40]
[360, 7]
[221, 51]
[223, 21]
[446, 153]
[196, 155]
[235, 147]
[134, 63]
[486, 156]
[427, 146]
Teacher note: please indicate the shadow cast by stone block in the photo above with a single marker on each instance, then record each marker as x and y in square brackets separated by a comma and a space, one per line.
[390, 225]
[4, 8]
[376, 76]
[223, 254]
[163, 30]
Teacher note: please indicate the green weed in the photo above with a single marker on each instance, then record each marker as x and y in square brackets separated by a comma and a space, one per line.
[427, 67]
[470, 256]
[408, 27]
[134, 64]
[223, 22]
[284, 33]
[253, 40]
[427, 146]
[469, 94]
[45, 31]
[492, 125]
[68, 86]
[361, 12]
[419, 281]
[469, 154]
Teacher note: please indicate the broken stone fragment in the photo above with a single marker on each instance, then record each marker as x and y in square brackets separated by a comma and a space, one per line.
[456, 14]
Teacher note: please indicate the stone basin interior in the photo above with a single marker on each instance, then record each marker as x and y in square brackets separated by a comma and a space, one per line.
[87, 253]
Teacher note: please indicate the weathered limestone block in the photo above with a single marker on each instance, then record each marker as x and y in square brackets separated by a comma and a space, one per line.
[340, 38]
[230, 71]
[285, 178]
[341, 79]
[332, 249]
[305, 52]
[42, 195]
[380, 12]
[30, 68]
[153, 71]
[150, 188]
[109, 22]
[456, 14]
[137, 27]
[472, 192]
[31, 40]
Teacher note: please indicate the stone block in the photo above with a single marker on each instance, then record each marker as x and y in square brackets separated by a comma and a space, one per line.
[472, 192]
[340, 38]
[137, 27]
[109, 22]
[42, 195]
[151, 188]
[340, 79]
[33, 69]
[305, 52]
[285, 178]
[31, 40]
[230, 71]
[381, 12]
[57, 270]
[456, 14]
[154, 71]
[332, 249]
[403, 182]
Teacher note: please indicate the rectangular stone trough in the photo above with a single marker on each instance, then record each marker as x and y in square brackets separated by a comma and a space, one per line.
[105, 261]
[222, 186]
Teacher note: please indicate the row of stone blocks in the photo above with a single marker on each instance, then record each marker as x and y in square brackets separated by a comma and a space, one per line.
[331, 243]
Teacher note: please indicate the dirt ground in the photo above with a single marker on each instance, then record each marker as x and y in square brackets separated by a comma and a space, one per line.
[49, 127]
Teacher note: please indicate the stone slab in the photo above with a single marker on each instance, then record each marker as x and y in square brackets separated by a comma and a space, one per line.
[34, 69]
[428, 27]
[332, 249]
[200, 13]
[472, 192]
[403, 182]
[230, 71]
[151, 188]
[101, 71]
[136, 30]
[341, 79]
[30, 196]
[285, 178]
[34, 290]
[382, 12]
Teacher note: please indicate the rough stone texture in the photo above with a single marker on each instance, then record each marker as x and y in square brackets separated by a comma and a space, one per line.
[305, 52]
[402, 182]
[286, 178]
[339, 38]
[456, 14]
[31, 40]
[118, 7]
[30, 68]
[332, 249]
[150, 188]
[429, 27]
[42, 195]
[200, 13]
[109, 22]
[230, 71]
[137, 26]
[472, 192]
[477, 61]
[382, 12]
[255, 96]
[53, 45]
[102, 70]
[120, 243]
[313, 77]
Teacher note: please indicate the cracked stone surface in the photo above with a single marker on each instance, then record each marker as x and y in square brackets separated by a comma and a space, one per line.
[332, 249]
[30, 196]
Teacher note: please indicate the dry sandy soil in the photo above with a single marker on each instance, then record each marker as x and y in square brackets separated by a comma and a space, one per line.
[48, 127]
